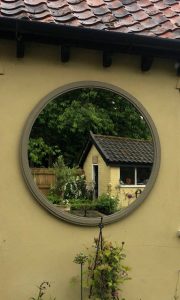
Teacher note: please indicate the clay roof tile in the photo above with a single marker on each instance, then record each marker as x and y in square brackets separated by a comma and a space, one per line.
[159, 18]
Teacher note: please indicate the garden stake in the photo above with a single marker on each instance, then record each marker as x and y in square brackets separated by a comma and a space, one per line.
[99, 246]
[81, 280]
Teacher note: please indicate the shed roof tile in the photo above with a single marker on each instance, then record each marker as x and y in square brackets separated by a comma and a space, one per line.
[145, 17]
[119, 150]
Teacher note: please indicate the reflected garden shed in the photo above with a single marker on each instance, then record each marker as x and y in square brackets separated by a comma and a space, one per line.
[117, 165]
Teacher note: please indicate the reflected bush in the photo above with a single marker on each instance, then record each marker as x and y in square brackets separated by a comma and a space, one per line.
[107, 204]
[70, 183]
[54, 198]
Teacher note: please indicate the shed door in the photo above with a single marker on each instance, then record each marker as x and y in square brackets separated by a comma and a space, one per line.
[95, 179]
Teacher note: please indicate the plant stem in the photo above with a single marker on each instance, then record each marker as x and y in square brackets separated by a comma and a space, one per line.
[81, 281]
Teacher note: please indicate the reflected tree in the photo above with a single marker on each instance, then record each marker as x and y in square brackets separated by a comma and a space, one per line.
[64, 124]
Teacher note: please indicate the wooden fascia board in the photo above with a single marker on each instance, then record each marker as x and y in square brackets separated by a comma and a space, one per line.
[112, 42]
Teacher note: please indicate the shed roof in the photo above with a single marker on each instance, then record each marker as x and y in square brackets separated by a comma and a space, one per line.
[117, 150]
[149, 28]
[158, 18]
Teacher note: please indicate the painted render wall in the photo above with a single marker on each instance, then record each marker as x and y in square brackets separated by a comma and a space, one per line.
[34, 245]
[108, 179]
[103, 171]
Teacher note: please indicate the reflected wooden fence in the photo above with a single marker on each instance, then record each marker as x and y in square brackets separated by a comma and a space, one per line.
[44, 178]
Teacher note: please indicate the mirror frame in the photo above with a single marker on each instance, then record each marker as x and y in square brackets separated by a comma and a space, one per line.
[83, 221]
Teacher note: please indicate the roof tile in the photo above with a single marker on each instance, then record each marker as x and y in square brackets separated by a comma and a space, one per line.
[160, 5]
[140, 15]
[168, 12]
[85, 15]
[159, 18]
[117, 150]
[101, 10]
[176, 7]
[144, 3]
[114, 4]
[79, 7]
[149, 23]
[95, 3]
[120, 13]
[134, 7]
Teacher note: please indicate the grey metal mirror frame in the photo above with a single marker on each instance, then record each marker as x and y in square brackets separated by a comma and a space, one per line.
[83, 221]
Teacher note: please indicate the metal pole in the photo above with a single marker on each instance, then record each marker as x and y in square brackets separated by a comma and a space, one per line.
[81, 281]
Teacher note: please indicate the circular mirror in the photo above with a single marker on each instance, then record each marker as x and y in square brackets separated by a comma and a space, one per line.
[90, 150]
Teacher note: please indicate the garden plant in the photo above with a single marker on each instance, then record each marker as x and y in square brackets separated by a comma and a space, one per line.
[104, 269]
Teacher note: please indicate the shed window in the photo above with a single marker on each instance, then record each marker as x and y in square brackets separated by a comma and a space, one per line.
[134, 175]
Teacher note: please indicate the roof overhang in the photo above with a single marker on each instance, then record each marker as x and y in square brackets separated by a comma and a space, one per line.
[109, 42]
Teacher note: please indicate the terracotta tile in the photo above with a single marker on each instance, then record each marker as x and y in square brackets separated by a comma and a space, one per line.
[147, 33]
[159, 30]
[166, 35]
[151, 10]
[120, 13]
[79, 7]
[101, 10]
[127, 2]
[176, 21]
[107, 18]
[11, 5]
[98, 26]
[148, 17]
[136, 28]
[15, 13]
[35, 2]
[170, 2]
[168, 12]
[72, 22]
[37, 9]
[155, 1]
[144, 3]
[140, 15]
[114, 4]
[126, 21]
[57, 4]
[160, 18]
[85, 15]
[160, 5]
[64, 18]
[60, 12]
[90, 21]
[149, 23]
[74, 1]
[122, 29]
[134, 7]
[95, 3]
[176, 33]
[176, 7]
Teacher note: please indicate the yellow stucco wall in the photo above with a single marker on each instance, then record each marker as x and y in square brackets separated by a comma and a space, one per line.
[34, 245]
[108, 179]
[104, 171]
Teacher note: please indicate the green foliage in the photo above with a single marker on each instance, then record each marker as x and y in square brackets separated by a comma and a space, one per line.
[70, 183]
[42, 291]
[83, 205]
[75, 188]
[105, 278]
[71, 186]
[54, 198]
[107, 204]
[80, 258]
[39, 151]
[110, 272]
[65, 123]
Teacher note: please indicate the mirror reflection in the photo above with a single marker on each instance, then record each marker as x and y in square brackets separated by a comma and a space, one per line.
[90, 152]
